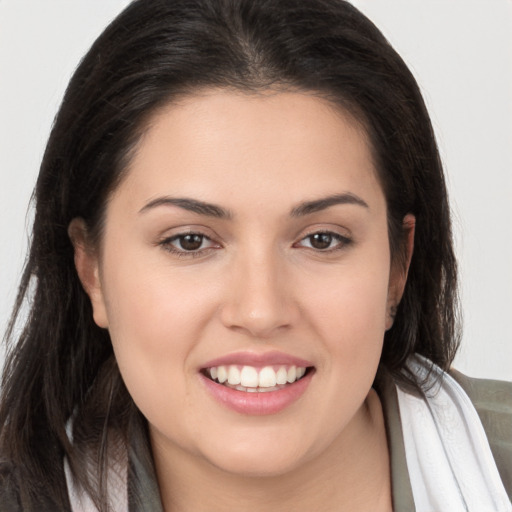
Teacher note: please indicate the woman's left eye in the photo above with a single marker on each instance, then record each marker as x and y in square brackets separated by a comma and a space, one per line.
[324, 241]
[188, 243]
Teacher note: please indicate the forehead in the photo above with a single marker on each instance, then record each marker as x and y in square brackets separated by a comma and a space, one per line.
[232, 143]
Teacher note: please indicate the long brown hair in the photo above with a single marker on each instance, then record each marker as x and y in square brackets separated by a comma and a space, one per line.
[62, 366]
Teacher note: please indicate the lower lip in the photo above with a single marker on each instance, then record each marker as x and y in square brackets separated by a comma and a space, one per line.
[258, 404]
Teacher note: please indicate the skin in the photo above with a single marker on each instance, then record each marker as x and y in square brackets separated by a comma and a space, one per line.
[256, 284]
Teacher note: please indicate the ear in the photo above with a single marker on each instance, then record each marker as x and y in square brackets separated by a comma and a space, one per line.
[400, 270]
[87, 267]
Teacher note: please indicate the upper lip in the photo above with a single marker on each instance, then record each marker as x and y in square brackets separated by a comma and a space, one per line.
[271, 358]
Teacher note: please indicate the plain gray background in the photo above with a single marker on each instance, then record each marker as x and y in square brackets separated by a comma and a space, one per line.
[461, 54]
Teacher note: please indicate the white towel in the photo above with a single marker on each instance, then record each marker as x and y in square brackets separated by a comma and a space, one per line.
[450, 463]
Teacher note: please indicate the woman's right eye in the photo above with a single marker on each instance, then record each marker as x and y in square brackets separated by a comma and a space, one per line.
[188, 244]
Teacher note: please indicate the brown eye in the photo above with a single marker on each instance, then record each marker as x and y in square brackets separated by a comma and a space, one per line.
[191, 242]
[321, 240]
[325, 241]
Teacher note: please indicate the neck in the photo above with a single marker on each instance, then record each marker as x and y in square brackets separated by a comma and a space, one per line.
[352, 474]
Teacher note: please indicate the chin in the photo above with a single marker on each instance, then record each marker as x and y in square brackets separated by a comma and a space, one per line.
[257, 467]
[255, 461]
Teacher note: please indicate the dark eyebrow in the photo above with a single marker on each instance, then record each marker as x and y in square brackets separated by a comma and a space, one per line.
[326, 202]
[192, 205]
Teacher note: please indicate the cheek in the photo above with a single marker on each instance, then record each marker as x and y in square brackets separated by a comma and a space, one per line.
[349, 308]
[348, 311]
[155, 320]
[147, 299]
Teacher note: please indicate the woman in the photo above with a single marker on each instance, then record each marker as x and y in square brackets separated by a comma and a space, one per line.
[243, 280]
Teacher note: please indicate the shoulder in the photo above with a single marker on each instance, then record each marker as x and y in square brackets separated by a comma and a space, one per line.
[492, 400]
[494, 394]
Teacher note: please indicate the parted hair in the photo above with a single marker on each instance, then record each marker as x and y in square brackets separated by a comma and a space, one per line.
[60, 364]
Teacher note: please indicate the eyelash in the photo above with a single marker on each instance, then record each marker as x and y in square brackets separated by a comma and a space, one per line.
[342, 243]
[183, 253]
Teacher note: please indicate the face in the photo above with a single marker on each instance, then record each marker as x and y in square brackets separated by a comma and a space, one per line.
[245, 278]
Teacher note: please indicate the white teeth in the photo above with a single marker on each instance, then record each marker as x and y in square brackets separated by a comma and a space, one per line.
[267, 377]
[233, 375]
[251, 379]
[281, 375]
[222, 374]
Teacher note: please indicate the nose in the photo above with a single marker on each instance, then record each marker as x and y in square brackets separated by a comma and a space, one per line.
[259, 301]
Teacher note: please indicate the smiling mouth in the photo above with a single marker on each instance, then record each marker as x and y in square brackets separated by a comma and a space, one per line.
[256, 380]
